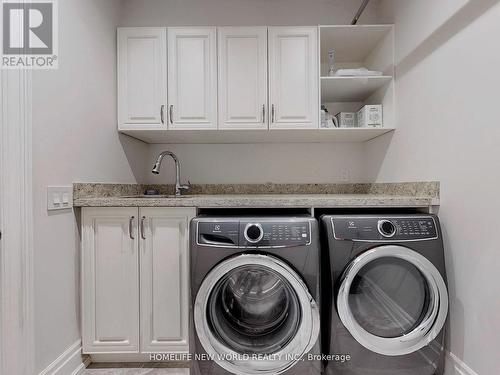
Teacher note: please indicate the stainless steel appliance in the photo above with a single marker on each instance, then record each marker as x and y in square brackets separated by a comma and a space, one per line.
[387, 303]
[255, 294]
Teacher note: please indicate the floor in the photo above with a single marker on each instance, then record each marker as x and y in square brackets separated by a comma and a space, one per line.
[135, 371]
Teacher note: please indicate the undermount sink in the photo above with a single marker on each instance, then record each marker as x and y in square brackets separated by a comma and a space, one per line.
[156, 196]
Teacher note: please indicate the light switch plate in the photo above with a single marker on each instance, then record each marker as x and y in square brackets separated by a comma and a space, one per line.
[59, 197]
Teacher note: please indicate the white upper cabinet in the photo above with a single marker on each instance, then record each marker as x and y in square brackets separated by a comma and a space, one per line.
[293, 77]
[192, 78]
[142, 78]
[164, 248]
[243, 102]
[177, 85]
[110, 280]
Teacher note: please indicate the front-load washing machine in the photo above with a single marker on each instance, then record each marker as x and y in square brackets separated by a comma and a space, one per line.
[388, 296]
[255, 295]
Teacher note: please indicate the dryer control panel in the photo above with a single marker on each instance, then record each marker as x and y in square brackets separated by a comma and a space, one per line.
[384, 229]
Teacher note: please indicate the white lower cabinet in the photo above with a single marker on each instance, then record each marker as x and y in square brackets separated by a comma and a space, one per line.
[164, 259]
[110, 280]
[135, 279]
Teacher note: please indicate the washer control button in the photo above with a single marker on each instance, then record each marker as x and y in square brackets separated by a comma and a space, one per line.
[386, 228]
[253, 232]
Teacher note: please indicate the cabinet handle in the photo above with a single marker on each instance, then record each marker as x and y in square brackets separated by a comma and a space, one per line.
[131, 227]
[143, 234]
[171, 113]
[272, 113]
[161, 114]
[263, 113]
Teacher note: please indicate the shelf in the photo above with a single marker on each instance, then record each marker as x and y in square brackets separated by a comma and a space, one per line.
[350, 89]
[351, 43]
[258, 136]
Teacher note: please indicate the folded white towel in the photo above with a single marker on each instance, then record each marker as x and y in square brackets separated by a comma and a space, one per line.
[360, 72]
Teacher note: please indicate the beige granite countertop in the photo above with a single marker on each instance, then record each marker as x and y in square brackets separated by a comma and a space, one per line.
[263, 201]
[332, 195]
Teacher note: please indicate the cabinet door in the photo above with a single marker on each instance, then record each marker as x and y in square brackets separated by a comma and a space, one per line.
[142, 78]
[164, 258]
[293, 77]
[192, 78]
[110, 278]
[243, 78]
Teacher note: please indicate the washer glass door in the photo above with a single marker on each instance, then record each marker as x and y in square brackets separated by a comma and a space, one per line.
[392, 300]
[254, 314]
[254, 310]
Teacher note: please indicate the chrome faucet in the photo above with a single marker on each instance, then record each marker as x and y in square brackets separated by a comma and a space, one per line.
[156, 170]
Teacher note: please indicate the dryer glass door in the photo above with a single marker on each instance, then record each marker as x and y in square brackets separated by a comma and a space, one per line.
[392, 300]
[389, 297]
[254, 314]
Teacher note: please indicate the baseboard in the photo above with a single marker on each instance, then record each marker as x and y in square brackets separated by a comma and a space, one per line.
[70, 362]
[455, 366]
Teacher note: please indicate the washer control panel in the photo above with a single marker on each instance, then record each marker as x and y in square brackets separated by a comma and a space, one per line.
[382, 229]
[274, 233]
[254, 233]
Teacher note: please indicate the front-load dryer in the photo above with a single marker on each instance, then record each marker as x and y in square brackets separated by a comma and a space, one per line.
[255, 295]
[388, 296]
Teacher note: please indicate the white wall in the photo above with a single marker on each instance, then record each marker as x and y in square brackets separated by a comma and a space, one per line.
[265, 162]
[244, 12]
[75, 139]
[447, 96]
[262, 163]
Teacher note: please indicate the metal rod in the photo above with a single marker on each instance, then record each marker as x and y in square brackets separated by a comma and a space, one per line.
[359, 12]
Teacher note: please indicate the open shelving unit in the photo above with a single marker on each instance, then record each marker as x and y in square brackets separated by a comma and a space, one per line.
[369, 46]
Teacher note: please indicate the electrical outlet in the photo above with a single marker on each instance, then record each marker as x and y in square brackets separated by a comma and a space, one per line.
[59, 197]
[345, 174]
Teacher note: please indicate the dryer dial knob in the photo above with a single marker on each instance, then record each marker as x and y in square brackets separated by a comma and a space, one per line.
[253, 232]
[386, 228]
